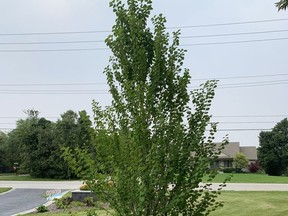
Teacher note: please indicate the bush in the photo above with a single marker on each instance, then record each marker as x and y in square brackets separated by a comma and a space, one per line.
[63, 202]
[91, 212]
[41, 209]
[254, 167]
[89, 201]
[231, 170]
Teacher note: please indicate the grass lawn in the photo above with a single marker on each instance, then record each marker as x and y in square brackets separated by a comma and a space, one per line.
[251, 178]
[67, 213]
[236, 203]
[244, 203]
[2, 190]
[13, 177]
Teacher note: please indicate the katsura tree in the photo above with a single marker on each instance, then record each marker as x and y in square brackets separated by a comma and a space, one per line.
[152, 148]
[282, 4]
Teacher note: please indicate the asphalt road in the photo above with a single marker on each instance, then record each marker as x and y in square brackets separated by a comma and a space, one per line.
[253, 187]
[68, 185]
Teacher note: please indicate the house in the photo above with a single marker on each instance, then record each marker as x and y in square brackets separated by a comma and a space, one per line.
[225, 159]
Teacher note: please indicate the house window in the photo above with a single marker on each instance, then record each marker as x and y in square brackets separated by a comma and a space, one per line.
[214, 165]
[228, 164]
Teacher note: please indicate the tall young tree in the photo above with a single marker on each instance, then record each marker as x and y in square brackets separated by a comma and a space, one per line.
[151, 148]
[282, 4]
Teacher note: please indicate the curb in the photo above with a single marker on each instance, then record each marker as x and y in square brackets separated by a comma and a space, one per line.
[8, 191]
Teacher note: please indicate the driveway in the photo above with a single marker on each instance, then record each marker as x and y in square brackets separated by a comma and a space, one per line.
[27, 195]
[19, 200]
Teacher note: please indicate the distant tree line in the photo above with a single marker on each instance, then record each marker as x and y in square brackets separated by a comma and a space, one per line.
[36, 145]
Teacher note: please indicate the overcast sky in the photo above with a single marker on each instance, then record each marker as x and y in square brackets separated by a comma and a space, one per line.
[238, 42]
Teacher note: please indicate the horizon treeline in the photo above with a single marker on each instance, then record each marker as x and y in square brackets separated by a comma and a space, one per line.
[36, 145]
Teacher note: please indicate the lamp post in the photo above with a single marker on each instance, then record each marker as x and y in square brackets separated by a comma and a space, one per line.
[16, 167]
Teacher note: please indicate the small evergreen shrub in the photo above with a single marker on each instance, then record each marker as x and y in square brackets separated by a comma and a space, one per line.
[41, 209]
[89, 201]
[63, 202]
[232, 170]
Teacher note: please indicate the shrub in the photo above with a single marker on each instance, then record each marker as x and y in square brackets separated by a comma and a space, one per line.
[254, 167]
[63, 202]
[231, 170]
[91, 212]
[89, 201]
[41, 209]
[76, 204]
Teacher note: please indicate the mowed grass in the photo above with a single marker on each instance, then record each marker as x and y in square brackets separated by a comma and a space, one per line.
[13, 177]
[2, 190]
[236, 203]
[251, 178]
[248, 203]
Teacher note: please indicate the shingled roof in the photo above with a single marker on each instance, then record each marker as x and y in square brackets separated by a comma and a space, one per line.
[232, 148]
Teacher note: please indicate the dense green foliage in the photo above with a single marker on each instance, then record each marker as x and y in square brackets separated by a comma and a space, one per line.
[282, 4]
[240, 161]
[3, 152]
[273, 150]
[36, 144]
[150, 145]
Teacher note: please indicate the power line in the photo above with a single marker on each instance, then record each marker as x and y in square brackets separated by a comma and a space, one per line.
[102, 41]
[52, 42]
[253, 85]
[214, 116]
[55, 50]
[248, 84]
[7, 123]
[245, 129]
[234, 34]
[19, 117]
[54, 93]
[87, 84]
[248, 116]
[102, 91]
[240, 77]
[53, 84]
[235, 122]
[171, 27]
[235, 42]
[101, 49]
[226, 24]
